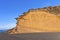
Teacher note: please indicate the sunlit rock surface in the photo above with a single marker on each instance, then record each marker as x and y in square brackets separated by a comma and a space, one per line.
[45, 19]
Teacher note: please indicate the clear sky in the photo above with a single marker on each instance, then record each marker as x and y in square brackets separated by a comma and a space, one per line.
[10, 9]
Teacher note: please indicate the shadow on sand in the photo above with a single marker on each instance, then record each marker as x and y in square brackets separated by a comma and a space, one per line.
[31, 36]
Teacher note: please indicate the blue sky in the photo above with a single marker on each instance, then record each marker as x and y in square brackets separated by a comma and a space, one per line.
[10, 9]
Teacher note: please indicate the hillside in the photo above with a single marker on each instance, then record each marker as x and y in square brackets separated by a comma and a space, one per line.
[45, 19]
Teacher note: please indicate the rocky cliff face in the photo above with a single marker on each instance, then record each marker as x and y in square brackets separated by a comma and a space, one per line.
[45, 19]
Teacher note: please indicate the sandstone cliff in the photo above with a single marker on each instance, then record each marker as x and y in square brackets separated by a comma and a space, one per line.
[45, 19]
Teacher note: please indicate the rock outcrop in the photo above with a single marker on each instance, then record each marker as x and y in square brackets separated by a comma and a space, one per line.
[45, 19]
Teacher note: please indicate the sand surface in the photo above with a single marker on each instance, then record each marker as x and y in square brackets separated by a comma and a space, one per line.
[31, 36]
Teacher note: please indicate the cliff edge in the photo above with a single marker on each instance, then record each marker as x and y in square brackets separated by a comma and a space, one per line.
[45, 19]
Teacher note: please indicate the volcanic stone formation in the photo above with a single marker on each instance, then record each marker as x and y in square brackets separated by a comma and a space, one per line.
[45, 19]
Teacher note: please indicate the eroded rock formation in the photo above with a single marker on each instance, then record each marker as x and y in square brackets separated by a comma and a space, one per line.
[45, 19]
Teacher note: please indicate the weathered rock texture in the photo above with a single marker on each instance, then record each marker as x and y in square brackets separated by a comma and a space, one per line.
[38, 20]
